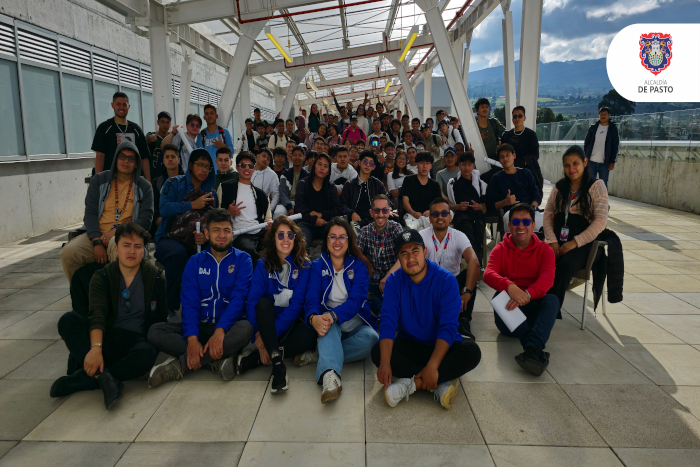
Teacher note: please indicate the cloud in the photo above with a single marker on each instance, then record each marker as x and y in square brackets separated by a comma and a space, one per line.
[623, 8]
[558, 49]
[551, 5]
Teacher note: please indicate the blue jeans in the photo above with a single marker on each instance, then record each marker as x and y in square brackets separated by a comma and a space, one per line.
[598, 170]
[337, 347]
[541, 315]
[375, 305]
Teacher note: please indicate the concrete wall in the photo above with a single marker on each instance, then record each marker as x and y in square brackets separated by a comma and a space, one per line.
[666, 176]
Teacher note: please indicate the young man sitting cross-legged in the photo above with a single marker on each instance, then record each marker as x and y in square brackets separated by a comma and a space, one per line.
[214, 288]
[422, 303]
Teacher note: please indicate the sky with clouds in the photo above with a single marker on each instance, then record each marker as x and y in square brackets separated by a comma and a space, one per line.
[575, 29]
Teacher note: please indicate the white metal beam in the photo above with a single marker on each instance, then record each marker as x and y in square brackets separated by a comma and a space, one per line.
[199, 11]
[244, 98]
[427, 93]
[406, 85]
[297, 76]
[183, 107]
[508, 66]
[355, 80]
[457, 47]
[359, 95]
[159, 41]
[530, 32]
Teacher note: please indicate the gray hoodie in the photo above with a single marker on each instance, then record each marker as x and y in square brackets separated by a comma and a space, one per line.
[268, 182]
[99, 189]
[348, 174]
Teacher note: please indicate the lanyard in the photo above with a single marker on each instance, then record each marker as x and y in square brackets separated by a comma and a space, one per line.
[381, 247]
[572, 199]
[117, 212]
[437, 245]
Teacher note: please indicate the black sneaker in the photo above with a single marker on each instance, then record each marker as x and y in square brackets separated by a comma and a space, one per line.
[280, 381]
[533, 360]
[247, 360]
[67, 385]
[465, 330]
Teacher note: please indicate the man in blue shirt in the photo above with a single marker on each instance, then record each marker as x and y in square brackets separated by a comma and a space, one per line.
[214, 289]
[421, 303]
[213, 136]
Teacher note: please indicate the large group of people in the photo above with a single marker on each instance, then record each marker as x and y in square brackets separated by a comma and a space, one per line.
[323, 239]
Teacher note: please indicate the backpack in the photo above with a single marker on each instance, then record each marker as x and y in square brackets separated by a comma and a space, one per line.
[345, 134]
[182, 227]
[494, 125]
[203, 135]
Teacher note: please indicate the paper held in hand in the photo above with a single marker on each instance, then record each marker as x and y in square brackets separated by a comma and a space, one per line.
[512, 318]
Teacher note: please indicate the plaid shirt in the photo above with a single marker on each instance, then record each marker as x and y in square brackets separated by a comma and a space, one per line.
[380, 248]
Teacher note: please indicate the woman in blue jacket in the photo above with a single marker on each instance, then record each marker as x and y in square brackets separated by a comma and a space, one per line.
[337, 308]
[275, 305]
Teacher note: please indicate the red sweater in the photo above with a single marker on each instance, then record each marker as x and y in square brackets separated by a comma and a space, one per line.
[531, 269]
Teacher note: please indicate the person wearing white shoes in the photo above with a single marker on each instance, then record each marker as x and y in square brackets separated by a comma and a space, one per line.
[418, 338]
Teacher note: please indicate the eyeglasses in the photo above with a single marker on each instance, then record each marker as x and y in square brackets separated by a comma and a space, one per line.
[289, 235]
[342, 239]
[123, 157]
[516, 222]
[437, 214]
[126, 295]
[195, 124]
[518, 116]
[381, 210]
[246, 165]
[369, 163]
[204, 167]
[400, 159]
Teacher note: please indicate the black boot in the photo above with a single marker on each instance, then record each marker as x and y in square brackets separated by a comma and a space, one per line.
[67, 385]
[280, 381]
[111, 387]
[533, 360]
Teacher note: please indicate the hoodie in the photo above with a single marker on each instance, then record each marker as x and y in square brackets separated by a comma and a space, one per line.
[301, 127]
[326, 201]
[99, 189]
[531, 269]
[339, 177]
[268, 182]
[286, 180]
[243, 141]
[176, 188]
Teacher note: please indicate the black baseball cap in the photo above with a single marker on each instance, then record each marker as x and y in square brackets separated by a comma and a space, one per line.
[353, 117]
[409, 236]
[424, 126]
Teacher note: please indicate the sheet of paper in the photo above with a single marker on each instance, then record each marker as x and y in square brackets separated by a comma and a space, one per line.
[513, 318]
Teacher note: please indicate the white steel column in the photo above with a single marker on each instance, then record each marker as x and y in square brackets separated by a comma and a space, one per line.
[457, 47]
[530, 32]
[427, 93]
[454, 79]
[406, 84]
[279, 100]
[159, 40]
[237, 70]
[244, 98]
[508, 62]
[185, 85]
[239, 119]
[297, 75]
[466, 59]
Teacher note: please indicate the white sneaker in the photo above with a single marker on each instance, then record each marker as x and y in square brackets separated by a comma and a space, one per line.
[399, 390]
[308, 357]
[446, 392]
[331, 386]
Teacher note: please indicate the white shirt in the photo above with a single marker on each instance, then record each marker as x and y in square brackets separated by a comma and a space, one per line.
[276, 141]
[338, 296]
[394, 183]
[248, 216]
[412, 168]
[598, 153]
[448, 253]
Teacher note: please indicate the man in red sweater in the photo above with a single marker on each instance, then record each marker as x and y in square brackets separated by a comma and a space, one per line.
[523, 266]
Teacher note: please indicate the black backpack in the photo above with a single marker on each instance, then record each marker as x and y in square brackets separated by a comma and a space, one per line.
[203, 135]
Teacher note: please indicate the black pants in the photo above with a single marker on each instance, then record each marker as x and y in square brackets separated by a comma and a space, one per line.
[311, 232]
[566, 266]
[249, 244]
[127, 355]
[297, 340]
[461, 282]
[474, 230]
[408, 358]
[167, 337]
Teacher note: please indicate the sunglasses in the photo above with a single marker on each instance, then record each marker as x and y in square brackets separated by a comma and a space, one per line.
[516, 222]
[518, 116]
[369, 163]
[289, 235]
[437, 214]
[195, 124]
[341, 239]
[246, 165]
[381, 210]
[126, 295]
[124, 157]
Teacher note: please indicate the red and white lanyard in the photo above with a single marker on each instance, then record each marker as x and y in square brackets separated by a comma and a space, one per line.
[439, 254]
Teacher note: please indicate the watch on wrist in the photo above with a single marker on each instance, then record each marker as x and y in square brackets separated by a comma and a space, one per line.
[466, 290]
[97, 242]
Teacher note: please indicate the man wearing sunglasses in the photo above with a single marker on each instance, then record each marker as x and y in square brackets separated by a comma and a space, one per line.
[523, 266]
[192, 128]
[446, 247]
[357, 194]
[525, 144]
[109, 345]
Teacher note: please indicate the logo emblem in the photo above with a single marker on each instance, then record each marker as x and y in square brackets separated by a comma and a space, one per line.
[406, 236]
[231, 267]
[655, 51]
[351, 274]
[295, 274]
[153, 305]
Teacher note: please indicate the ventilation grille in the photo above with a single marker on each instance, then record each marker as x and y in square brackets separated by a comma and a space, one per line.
[75, 59]
[176, 89]
[146, 80]
[37, 48]
[7, 39]
[105, 68]
[129, 75]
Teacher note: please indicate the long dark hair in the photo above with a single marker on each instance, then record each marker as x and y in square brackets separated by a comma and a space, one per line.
[396, 173]
[583, 200]
[269, 252]
[353, 249]
[325, 133]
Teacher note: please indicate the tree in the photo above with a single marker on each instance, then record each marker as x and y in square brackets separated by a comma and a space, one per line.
[545, 115]
[617, 104]
[560, 118]
[500, 114]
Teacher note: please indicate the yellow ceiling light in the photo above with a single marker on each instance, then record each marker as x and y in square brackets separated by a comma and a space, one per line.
[276, 43]
[325, 101]
[313, 86]
[388, 83]
[413, 33]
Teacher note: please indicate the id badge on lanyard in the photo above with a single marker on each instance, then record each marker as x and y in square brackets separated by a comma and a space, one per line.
[564, 235]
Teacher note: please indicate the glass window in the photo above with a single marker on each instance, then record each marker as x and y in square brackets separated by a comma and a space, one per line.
[134, 105]
[194, 109]
[79, 113]
[149, 118]
[11, 128]
[103, 98]
[42, 106]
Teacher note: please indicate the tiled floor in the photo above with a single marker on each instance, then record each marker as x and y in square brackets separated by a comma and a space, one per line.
[625, 391]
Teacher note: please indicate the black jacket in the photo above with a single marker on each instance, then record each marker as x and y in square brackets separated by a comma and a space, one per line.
[350, 195]
[612, 266]
[612, 142]
[157, 184]
[331, 203]
[229, 193]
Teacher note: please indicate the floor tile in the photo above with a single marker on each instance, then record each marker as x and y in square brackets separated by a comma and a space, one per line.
[64, 304]
[662, 255]
[531, 414]
[299, 416]
[551, 456]
[5, 447]
[687, 396]
[23, 405]
[568, 329]
[17, 280]
[206, 408]
[4, 292]
[641, 457]
[430, 455]
[695, 254]
[419, 419]
[590, 363]
[628, 329]
[8, 318]
[28, 299]
[693, 298]
[629, 245]
[685, 327]
[646, 236]
[664, 364]
[483, 302]
[636, 416]
[181, 454]
[683, 267]
[679, 283]
[39, 325]
[484, 328]
[57, 281]
[686, 235]
[15, 353]
[306, 454]
[498, 365]
[629, 256]
[73, 454]
[647, 267]
[49, 364]
[573, 301]
[661, 303]
[44, 265]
